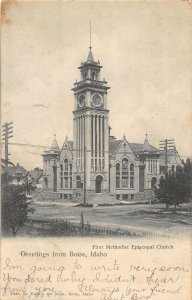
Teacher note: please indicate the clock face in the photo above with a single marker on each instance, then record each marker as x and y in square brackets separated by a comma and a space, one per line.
[81, 100]
[97, 100]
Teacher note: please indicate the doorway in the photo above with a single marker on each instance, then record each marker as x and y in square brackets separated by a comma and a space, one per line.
[153, 182]
[98, 183]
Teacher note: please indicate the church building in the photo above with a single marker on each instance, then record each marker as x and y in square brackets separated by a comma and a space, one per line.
[96, 164]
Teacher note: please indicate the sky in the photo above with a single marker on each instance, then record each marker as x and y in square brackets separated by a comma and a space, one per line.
[145, 48]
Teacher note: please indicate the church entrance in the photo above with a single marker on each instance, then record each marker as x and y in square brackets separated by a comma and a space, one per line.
[98, 182]
[153, 182]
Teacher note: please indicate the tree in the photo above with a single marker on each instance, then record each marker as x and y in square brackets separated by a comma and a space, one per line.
[15, 208]
[175, 188]
[187, 166]
[5, 178]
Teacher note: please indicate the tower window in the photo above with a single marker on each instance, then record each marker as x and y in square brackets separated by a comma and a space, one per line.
[85, 74]
[94, 76]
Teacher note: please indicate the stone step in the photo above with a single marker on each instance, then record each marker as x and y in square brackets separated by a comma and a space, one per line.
[146, 195]
[93, 198]
[101, 199]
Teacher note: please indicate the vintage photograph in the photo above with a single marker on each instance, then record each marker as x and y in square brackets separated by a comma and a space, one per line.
[96, 119]
[96, 150]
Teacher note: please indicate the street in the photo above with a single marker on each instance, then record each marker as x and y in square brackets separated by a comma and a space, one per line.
[141, 218]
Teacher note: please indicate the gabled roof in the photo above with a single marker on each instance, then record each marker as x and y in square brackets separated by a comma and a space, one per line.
[170, 154]
[36, 173]
[136, 147]
[71, 144]
[3, 162]
[17, 171]
[113, 146]
[67, 144]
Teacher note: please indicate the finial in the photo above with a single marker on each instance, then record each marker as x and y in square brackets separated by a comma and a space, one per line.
[124, 137]
[90, 47]
[54, 136]
[146, 137]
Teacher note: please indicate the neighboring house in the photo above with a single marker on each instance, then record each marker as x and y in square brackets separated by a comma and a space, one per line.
[17, 174]
[106, 165]
[36, 177]
[3, 164]
[173, 160]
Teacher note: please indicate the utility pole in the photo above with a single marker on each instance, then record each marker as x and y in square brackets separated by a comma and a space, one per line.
[166, 145]
[7, 134]
[85, 175]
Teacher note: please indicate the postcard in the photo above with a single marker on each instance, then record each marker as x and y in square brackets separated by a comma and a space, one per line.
[96, 159]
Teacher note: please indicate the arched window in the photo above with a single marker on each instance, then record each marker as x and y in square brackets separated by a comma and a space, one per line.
[173, 169]
[125, 173]
[66, 165]
[70, 176]
[46, 182]
[85, 74]
[132, 176]
[78, 181]
[66, 174]
[117, 176]
[93, 76]
[61, 175]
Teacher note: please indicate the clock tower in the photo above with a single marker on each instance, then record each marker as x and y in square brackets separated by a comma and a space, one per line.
[91, 135]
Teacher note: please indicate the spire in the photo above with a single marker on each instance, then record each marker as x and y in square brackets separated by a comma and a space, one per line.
[90, 55]
[146, 146]
[90, 36]
[55, 145]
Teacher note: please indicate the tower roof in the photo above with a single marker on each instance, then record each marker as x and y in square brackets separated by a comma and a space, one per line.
[146, 146]
[90, 55]
[55, 145]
